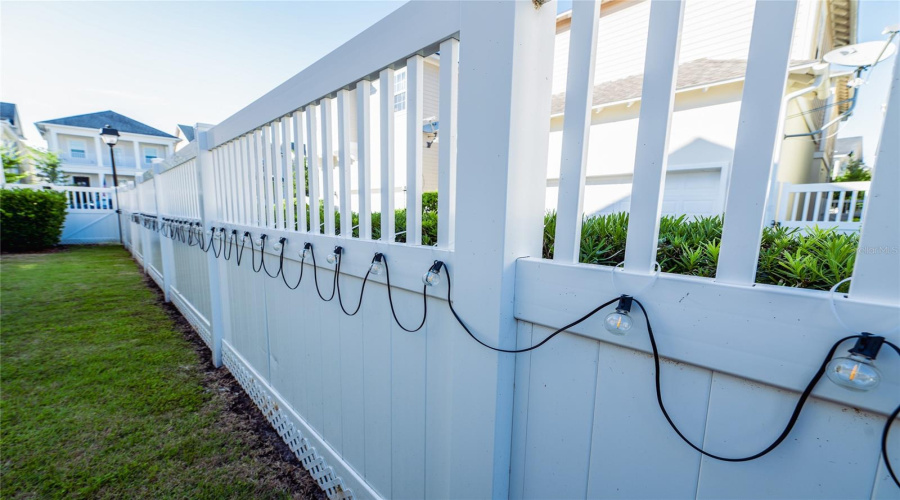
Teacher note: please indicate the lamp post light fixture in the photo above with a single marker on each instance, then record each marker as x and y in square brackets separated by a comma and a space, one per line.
[111, 136]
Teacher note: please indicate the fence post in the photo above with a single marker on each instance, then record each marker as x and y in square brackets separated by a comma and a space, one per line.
[166, 248]
[146, 249]
[505, 68]
[208, 215]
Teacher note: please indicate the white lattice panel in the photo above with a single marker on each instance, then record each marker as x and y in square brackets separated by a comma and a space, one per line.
[272, 408]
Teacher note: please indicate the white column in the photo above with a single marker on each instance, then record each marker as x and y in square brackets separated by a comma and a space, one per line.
[209, 215]
[54, 141]
[506, 61]
[98, 147]
[137, 156]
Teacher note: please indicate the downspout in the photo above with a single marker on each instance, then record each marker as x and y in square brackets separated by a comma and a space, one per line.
[822, 77]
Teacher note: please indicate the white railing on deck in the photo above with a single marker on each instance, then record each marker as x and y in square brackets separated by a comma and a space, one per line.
[840, 205]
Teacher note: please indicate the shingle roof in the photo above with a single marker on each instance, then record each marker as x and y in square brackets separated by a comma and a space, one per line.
[188, 132]
[690, 74]
[98, 120]
[8, 112]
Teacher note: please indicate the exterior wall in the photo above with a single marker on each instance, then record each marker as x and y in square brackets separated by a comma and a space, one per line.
[713, 29]
[701, 145]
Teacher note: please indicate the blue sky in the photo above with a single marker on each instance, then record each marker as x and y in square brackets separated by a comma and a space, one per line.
[165, 63]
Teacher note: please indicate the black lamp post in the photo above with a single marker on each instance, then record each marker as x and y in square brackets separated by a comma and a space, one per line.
[111, 136]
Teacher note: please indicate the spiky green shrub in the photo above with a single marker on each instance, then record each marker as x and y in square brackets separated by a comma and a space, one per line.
[809, 258]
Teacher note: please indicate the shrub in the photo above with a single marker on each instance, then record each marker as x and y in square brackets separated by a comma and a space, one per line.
[811, 258]
[30, 220]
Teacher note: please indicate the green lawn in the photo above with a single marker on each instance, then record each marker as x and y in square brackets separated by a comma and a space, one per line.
[104, 396]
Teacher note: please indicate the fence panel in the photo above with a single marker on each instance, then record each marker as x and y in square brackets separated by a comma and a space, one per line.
[373, 409]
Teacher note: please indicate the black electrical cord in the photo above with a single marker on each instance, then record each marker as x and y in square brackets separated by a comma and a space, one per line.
[787, 429]
[227, 243]
[387, 272]
[240, 252]
[887, 430]
[262, 258]
[316, 278]
[284, 275]
[362, 289]
[515, 351]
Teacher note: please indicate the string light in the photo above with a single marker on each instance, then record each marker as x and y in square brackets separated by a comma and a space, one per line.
[619, 321]
[335, 256]
[857, 371]
[433, 276]
[377, 266]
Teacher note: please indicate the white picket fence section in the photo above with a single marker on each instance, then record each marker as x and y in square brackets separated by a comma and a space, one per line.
[376, 412]
[839, 205]
[90, 214]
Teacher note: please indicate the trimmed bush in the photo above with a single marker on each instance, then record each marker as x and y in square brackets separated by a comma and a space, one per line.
[31, 220]
[810, 258]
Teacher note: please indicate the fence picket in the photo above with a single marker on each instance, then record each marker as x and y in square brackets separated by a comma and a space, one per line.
[759, 122]
[364, 157]
[327, 120]
[344, 103]
[299, 171]
[657, 100]
[576, 129]
[278, 166]
[386, 85]
[415, 78]
[312, 165]
[447, 114]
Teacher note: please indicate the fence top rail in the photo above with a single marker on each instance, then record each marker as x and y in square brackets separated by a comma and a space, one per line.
[829, 186]
[414, 28]
[180, 157]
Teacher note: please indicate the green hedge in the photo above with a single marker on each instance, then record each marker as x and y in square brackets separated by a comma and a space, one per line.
[31, 220]
[810, 258]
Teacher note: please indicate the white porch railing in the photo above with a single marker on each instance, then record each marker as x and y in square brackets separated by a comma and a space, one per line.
[91, 213]
[840, 205]
[375, 411]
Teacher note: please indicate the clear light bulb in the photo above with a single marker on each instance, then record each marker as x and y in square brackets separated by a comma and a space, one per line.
[306, 253]
[277, 246]
[432, 278]
[332, 258]
[618, 323]
[376, 268]
[218, 235]
[855, 372]
[258, 242]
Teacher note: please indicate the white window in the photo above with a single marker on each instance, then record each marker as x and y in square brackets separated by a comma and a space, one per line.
[400, 90]
[150, 154]
[77, 149]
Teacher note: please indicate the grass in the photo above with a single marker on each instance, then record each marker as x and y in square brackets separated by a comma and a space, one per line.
[103, 395]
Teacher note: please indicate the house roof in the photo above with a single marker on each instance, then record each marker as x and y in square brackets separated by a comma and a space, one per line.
[8, 113]
[188, 132]
[690, 74]
[97, 121]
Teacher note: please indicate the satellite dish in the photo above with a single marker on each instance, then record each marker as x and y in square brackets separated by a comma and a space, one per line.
[861, 54]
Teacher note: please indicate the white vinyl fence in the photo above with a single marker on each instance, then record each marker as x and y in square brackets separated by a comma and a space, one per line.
[90, 214]
[374, 410]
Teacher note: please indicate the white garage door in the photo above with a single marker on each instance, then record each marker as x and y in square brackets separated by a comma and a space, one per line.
[687, 192]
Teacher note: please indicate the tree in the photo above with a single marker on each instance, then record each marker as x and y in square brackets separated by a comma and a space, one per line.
[48, 167]
[12, 164]
[856, 171]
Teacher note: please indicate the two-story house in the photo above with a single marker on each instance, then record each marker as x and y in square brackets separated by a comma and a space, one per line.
[86, 159]
[12, 137]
